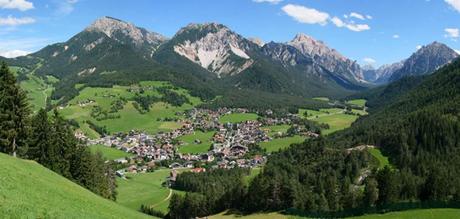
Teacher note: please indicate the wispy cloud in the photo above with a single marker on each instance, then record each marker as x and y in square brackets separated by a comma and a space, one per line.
[22, 5]
[357, 15]
[350, 25]
[369, 61]
[307, 15]
[454, 3]
[14, 53]
[395, 36]
[65, 7]
[453, 33]
[268, 1]
[24, 44]
[13, 21]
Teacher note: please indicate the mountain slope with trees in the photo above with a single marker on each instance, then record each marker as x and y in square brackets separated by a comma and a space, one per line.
[419, 130]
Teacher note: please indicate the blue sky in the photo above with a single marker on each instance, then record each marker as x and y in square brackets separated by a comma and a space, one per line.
[370, 31]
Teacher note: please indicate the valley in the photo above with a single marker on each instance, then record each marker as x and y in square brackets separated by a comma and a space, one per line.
[119, 121]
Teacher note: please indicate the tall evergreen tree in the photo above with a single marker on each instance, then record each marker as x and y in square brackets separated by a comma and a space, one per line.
[14, 112]
[40, 138]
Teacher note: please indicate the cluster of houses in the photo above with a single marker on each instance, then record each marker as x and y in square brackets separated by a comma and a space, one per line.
[230, 143]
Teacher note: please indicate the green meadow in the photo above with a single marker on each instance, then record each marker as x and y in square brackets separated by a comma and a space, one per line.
[38, 91]
[29, 190]
[191, 147]
[109, 153]
[382, 160]
[336, 118]
[238, 117]
[357, 102]
[145, 189]
[275, 129]
[281, 143]
[128, 117]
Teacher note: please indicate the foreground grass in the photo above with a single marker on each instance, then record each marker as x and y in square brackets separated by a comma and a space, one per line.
[29, 190]
[144, 189]
[193, 148]
[238, 117]
[109, 153]
[281, 143]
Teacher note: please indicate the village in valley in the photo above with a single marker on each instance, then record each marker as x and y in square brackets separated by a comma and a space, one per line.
[231, 145]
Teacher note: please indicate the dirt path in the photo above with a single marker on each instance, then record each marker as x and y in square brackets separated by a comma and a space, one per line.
[164, 200]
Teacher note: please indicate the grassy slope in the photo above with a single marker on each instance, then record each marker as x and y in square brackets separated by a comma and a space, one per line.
[144, 189]
[28, 190]
[335, 117]
[109, 153]
[238, 117]
[191, 147]
[130, 118]
[383, 161]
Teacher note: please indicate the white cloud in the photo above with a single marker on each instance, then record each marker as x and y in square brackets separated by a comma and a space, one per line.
[418, 47]
[457, 51]
[369, 61]
[454, 3]
[13, 21]
[338, 22]
[14, 53]
[396, 36]
[453, 33]
[306, 15]
[268, 1]
[65, 7]
[369, 17]
[351, 26]
[358, 27]
[22, 5]
[357, 15]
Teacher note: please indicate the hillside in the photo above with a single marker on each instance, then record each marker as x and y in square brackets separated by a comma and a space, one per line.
[29, 190]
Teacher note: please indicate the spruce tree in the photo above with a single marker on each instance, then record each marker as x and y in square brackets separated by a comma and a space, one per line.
[40, 138]
[14, 113]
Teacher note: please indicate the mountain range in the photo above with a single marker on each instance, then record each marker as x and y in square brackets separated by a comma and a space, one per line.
[211, 58]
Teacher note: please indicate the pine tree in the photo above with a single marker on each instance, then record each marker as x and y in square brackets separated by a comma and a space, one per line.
[14, 113]
[40, 138]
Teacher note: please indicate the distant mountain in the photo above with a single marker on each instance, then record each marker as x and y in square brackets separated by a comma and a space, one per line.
[329, 58]
[382, 74]
[425, 61]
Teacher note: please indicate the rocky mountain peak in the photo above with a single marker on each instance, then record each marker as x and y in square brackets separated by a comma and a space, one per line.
[329, 58]
[259, 42]
[426, 60]
[215, 47]
[119, 30]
